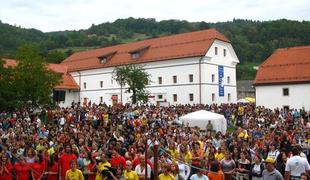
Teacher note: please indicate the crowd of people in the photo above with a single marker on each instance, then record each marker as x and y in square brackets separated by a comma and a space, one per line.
[98, 142]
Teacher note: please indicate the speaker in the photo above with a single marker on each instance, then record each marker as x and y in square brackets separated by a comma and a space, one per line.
[59, 95]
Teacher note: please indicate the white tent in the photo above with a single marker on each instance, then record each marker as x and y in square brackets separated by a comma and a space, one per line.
[201, 119]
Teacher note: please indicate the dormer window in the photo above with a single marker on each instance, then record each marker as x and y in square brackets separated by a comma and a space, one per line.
[103, 60]
[137, 53]
[105, 57]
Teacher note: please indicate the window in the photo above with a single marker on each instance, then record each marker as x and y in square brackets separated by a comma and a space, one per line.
[215, 49]
[228, 97]
[213, 97]
[101, 84]
[213, 78]
[135, 55]
[191, 78]
[191, 97]
[224, 52]
[103, 60]
[286, 92]
[84, 85]
[101, 99]
[160, 96]
[174, 79]
[175, 98]
[228, 79]
[160, 80]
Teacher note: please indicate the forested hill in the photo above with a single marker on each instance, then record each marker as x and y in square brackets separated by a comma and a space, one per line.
[253, 41]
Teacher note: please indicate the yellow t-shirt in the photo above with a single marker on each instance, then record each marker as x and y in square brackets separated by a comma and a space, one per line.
[188, 157]
[101, 167]
[106, 117]
[166, 177]
[131, 175]
[74, 175]
[174, 153]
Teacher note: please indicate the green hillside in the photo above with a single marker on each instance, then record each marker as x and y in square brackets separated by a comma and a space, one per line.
[253, 41]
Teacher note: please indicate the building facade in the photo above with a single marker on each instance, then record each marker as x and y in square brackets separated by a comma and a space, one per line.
[283, 80]
[189, 68]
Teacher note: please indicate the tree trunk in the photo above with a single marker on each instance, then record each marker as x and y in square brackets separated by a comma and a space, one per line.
[134, 96]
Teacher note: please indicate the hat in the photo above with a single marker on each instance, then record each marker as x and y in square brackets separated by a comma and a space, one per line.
[270, 160]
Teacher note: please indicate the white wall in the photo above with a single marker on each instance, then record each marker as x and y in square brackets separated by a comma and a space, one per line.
[70, 96]
[272, 96]
[167, 69]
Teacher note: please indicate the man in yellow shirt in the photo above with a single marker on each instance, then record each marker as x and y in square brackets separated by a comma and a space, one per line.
[129, 174]
[103, 165]
[73, 173]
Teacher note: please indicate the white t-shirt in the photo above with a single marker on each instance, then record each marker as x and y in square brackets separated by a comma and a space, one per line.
[297, 165]
[196, 177]
[141, 171]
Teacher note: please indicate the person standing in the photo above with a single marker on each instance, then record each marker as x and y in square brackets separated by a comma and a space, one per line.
[257, 169]
[271, 173]
[73, 173]
[296, 165]
[228, 166]
[64, 161]
[5, 169]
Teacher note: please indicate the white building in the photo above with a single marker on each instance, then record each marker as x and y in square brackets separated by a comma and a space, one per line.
[196, 67]
[283, 80]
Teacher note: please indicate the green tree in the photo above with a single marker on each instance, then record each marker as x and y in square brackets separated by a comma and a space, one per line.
[32, 80]
[55, 56]
[136, 79]
[8, 99]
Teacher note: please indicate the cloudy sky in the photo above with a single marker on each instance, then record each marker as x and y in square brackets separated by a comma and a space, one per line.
[54, 15]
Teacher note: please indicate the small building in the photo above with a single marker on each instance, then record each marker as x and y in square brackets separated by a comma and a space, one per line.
[189, 68]
[283, 80]
[245, 89]
[66, 91]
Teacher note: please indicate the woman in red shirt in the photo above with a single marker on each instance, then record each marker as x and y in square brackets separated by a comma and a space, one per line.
[38, 168]
[22, 169]
[5, 169]
[91, 168]
[52, 168]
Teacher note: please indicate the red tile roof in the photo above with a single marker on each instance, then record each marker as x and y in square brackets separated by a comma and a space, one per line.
[286, 65]
[67, 80]
[164, 48]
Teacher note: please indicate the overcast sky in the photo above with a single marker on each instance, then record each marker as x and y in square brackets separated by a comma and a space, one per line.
[55, 15]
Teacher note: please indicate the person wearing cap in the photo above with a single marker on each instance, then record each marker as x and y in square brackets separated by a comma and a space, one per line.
[271, 173]
[296, 165]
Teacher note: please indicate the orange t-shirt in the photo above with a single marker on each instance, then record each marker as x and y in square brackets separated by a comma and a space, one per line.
[215, 176]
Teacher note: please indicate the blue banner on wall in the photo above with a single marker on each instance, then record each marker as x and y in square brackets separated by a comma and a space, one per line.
[221, 83]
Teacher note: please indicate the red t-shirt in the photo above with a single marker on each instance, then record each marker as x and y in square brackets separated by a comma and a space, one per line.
[116, 161]
[64, 163]
[54, 169]
[5, 175]
[38, 169]
[90, 168]
[21, 171]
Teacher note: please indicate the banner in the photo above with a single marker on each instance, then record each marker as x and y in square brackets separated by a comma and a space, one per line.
[221, 83]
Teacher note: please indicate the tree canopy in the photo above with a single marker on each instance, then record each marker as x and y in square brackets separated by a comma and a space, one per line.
[135, 78]
[30, 82]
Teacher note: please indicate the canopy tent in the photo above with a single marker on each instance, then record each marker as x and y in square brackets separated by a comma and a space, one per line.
[201, 119]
